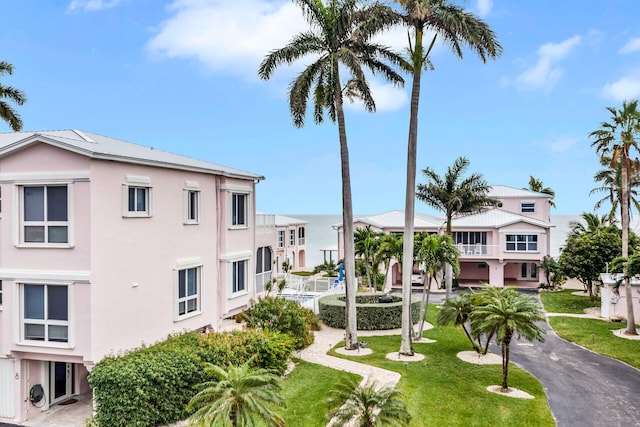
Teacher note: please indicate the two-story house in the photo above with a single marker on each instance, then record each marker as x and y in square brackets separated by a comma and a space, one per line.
[500, 246]
[106, 245]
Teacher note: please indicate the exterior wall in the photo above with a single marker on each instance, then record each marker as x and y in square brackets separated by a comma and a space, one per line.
[615, 305]
[514, 204]
[294, 254]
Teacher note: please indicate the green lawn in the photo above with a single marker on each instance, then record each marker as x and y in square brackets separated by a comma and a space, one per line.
[444, 390]
[306, 390]
[596, 335]
[564, 302]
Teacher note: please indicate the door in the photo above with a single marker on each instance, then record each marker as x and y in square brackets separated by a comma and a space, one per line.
[60, 380]
[6, 388]
[528, 271]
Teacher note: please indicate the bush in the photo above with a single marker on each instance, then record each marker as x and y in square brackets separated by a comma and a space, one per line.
[152, 385]
[285, 316]
[370, 314]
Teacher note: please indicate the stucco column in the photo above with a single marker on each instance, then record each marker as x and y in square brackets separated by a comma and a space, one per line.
[496, 273]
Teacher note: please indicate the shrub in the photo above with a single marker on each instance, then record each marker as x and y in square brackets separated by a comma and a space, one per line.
[370, 315]
[285, 316]
[152, 385]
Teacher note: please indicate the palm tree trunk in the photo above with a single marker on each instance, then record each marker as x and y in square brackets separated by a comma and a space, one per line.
[351, 328]
[406, 344]
[448, 269]
[424, 304]
[505, 360]
[631, 324]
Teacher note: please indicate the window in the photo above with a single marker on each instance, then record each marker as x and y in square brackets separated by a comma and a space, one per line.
[45, 217]
[301, 235]
[188, 300]
[528, 207]
[138, 196]
[45, 315]
[263, 268]
[292, 237]
[239, 280]
[522, 242]
[0, 293]
[281, 238]
[238, 209]
[529, 271]
[191, 203]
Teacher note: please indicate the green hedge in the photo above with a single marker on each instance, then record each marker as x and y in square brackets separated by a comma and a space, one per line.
[152, 385]
[370, 315]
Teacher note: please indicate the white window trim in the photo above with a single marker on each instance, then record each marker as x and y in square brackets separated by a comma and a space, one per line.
[292, 237]
[526, 233]
[18, 298]
[247, 210]
[248, 269]
[282, 243]
[184, 264]
[18, 213]
[138, 182]
[527, 202]
[189, 187]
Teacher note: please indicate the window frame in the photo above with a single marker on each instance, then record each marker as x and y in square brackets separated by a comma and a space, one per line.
[21, 223]
[527, 206]
[292, 237]
[529, 242]
[235, 289]
[192, 195]
[135, 182]
[1, 294]
[23, 320]
[234, 210]
[197, 269]
[301, 235]
[281, 238]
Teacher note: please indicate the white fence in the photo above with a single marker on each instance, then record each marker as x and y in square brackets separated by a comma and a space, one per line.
[308, 290]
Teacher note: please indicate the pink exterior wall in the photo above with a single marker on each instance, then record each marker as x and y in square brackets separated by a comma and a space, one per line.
[542, 207]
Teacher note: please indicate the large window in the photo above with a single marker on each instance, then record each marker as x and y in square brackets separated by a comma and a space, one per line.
[281, 238]
[45, 313]
[238, 209]
[301, 235]
[45, 214]
[292, 237]
[263, 268]
[189, 288]
[239, 276]
[522, 242]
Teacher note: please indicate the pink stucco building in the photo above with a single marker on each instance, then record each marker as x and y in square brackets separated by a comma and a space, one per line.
[106, 245]
[500, 246]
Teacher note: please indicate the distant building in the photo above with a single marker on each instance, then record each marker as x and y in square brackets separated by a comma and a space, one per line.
[500, 246]
[107, 245]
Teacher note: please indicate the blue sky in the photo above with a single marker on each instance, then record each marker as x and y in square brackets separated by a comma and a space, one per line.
[180, 75]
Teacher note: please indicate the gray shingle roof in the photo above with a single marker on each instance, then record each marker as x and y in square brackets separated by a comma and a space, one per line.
[102, 147]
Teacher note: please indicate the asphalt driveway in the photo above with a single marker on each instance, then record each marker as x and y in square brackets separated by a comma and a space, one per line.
[583, 388]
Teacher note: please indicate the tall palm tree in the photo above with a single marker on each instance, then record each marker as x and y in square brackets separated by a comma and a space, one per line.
[434, 251]
[610, 179]
[340, 35]
[457, 29]
[10, 93]
[591, 223]
[239, 396]
[509, 313]
[369, 405]
[454, 195]
[537, 186]
[617, 139]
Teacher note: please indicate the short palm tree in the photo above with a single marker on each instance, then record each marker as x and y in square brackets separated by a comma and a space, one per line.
[366, 244]
[340, 35]
[509, 313]
[617, 139]
[457, 29]
[368, 405]
[453, 194]
[238, 397]
[10, 93]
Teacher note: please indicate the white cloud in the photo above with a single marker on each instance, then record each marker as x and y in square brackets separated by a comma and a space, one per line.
[545, 73]
[228, 36]
[484, 7]
[386, 96]
[91, 5]
[631, 46]
[233, 37]
[624, 89]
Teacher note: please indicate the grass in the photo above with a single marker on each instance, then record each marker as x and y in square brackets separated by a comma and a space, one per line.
[444, 390]
[597, 335]
[564, 302]
[306, 390]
